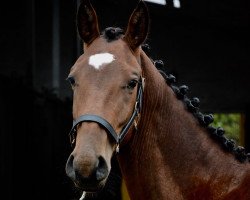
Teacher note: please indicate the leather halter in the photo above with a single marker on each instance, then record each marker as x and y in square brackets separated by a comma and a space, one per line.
[118, 138]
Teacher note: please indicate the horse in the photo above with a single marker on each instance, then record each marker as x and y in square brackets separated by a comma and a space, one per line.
[126, 105]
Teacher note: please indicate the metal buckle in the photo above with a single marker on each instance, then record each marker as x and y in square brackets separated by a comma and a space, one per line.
[117, 149]
[136, 105]
[135, 124]
[143, 83]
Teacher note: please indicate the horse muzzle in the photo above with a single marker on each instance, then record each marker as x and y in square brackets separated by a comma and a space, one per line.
[89, 173]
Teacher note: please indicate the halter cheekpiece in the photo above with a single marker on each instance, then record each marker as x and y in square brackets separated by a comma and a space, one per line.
[118, 138]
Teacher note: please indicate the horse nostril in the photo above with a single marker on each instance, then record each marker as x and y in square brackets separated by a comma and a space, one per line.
[102, 169]
[69, 167]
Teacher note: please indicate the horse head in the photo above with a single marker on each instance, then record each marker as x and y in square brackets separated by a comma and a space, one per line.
[107, 89]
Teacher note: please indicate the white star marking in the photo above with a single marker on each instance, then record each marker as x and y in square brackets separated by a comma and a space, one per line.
[100, 59]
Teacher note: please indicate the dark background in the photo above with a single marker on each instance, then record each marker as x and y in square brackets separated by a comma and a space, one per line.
[205, 44]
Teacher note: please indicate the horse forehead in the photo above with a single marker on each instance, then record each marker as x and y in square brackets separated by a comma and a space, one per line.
[102, 51]
[101, 54]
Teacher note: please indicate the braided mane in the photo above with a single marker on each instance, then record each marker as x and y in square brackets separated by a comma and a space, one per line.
[192, 105]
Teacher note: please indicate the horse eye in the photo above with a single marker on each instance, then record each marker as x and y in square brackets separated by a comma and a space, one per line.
[71, 80]
[131, 85]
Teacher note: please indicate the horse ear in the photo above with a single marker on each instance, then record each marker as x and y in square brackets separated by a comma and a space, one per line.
[87, 23]
[138, 25]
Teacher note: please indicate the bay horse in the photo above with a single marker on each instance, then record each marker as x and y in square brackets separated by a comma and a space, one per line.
[126, 105]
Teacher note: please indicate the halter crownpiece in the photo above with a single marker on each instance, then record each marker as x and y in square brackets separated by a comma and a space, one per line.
[118, 138]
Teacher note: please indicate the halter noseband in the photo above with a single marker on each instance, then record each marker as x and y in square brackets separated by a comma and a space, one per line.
[106, 125]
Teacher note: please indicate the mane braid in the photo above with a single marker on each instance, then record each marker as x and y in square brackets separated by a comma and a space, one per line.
[205, 120]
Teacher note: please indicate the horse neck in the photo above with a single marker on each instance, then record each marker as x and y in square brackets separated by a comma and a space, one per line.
[171, 154]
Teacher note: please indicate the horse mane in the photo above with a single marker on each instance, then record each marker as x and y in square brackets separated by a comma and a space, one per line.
[192, 105]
